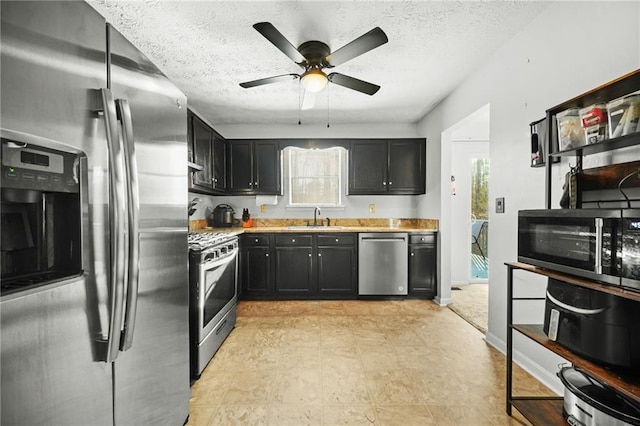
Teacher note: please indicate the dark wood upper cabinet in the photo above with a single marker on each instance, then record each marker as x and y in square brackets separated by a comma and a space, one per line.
[240, 167]
[254, 167]
[208, 151]
[406, 171]
[201, 153]
[368, 167]
[219, 162]
[387, 167]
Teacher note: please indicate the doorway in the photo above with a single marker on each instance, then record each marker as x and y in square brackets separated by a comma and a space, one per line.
[469, 208]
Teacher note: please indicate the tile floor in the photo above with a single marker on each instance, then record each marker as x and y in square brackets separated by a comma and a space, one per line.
[406, 362]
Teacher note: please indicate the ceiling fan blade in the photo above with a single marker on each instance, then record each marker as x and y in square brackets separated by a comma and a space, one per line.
[278, 40]
[269, 80]
[353, 83]
[366, 42]
[308, 100]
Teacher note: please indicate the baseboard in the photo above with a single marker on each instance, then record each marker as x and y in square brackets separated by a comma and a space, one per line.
[547, 378]
[443, 301]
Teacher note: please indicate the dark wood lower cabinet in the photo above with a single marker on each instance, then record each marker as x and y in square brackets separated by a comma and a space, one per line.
[337, 266]
[298, 266]
[322, 266]
[294, 271]
[256, 272]
[423, 257]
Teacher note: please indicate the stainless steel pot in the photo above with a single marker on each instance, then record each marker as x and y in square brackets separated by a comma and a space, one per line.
[223, 216]
[587, 402]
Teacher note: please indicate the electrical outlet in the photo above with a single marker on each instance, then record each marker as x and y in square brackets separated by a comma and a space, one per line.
[263, 208]
[500, 205]
[372, 208]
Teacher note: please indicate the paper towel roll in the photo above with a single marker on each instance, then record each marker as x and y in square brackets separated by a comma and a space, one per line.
[266, 199]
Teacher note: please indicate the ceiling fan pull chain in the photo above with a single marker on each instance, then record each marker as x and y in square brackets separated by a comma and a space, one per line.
[299, 103]
[328, 106]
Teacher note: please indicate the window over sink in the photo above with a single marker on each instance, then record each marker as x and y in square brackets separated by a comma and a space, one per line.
[315, 177]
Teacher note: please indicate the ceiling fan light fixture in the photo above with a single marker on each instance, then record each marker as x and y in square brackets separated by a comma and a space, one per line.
[313, 80]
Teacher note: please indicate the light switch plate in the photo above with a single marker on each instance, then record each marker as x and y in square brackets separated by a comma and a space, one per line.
[263, 208]
[372, 208]
[500, 205]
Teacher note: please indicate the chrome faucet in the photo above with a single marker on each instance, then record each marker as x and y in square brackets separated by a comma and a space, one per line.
[316, 213]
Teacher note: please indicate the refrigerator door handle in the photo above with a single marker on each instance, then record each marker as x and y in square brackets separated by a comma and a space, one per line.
[131, 170]
[118, 224]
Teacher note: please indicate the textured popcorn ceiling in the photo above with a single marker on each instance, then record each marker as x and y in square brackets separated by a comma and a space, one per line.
[208, 47]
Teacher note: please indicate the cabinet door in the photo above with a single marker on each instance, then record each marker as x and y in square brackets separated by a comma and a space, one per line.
[266, 160]
[202, 138]
[256, 271]
[406, 166]
[336, 271]
[294, 270]
[189, 137]
[422, 270]
[240, 167]
[368, 167]
[219, 163]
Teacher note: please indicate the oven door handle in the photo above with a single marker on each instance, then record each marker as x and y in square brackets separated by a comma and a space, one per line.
[599, 222]
[118, 225]
[131, 169]
[217, 262]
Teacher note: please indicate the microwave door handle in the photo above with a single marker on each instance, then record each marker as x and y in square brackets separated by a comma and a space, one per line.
[118, 225]
[599, 248]
[131, 171]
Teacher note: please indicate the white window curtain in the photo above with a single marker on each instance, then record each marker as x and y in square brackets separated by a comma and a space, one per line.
[315, 176]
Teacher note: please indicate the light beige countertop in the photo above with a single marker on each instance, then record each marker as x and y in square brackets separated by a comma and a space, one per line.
[337, 225]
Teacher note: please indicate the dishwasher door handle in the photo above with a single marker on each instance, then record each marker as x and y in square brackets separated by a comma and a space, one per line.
[383, 239]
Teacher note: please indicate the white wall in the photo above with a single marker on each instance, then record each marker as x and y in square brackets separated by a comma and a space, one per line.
[561, 54]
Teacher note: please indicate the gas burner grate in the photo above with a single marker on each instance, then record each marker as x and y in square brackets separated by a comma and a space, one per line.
[203, 240]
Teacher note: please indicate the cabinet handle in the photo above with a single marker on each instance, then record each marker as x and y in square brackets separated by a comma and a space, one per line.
[293, 240]
[390, 183]
[256, 240]
[309, 254]
[384, 183]
[319, 255]
[255, 184]
[266, 255]
[250, 183]
[337, 240]
[411, 254]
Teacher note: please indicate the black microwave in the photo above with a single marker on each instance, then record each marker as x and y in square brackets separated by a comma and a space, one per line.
[599, 244]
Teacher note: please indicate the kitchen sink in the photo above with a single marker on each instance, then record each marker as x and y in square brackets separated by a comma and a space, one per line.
[316, 227]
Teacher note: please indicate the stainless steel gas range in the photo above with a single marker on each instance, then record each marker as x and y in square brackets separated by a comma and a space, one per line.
[213, 271]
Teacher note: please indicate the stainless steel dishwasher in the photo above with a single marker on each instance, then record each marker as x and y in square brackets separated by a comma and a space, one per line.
[383, 264]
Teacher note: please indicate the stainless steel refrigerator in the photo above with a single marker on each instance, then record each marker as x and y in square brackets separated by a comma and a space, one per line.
[107, 344]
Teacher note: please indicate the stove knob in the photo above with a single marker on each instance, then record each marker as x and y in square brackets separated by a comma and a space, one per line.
[211, 256]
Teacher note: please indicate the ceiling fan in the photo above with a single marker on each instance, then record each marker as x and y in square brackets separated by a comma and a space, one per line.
[314, 56]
